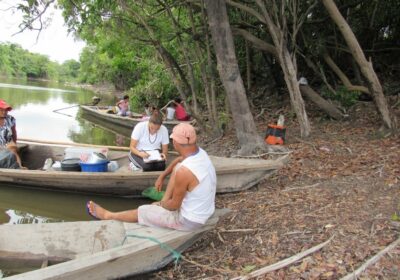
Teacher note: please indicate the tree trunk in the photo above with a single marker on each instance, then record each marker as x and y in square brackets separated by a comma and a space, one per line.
[366, 67]
[327, 107]
[342, 76]
[248, 65]
[210, 65]
[289, 70]
[228, 69]
[186, 55]
[205, 76]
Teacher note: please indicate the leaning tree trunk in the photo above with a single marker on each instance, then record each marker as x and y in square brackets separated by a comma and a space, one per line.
[289, 70]
[366, 66]
[327, 107]
[228, 69]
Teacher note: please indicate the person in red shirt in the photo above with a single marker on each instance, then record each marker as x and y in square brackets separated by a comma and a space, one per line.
[180, 111]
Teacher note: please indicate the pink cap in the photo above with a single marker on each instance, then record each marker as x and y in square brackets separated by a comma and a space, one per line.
[4, 105]
[184, 133]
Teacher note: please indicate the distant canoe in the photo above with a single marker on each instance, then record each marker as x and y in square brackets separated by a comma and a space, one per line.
[100, 114]
[233, 174]
[91, 250]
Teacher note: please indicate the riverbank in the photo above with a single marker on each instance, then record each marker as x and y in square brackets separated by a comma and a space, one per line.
[101, 89]
[341, 183]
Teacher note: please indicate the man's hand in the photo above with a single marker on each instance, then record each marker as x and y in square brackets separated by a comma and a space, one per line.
[159, 183]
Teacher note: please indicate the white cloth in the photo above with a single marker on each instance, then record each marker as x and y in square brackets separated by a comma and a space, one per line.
[170, 113]
[157, 216]
[149, 142]
[199, 204]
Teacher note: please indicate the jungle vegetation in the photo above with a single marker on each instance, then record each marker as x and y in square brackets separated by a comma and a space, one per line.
[20, 63]
[225, 56]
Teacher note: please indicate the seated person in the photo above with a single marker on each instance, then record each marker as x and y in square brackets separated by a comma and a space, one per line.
[189, 200]
[8, 139]
[146, 136]
[180, 111]
[123, 106]
[147, 110]
[169, 110]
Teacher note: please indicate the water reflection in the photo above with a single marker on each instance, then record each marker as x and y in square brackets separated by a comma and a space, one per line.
[23, 205]
[48, 111]
[34, 103]
[23, 87]
[21, 217]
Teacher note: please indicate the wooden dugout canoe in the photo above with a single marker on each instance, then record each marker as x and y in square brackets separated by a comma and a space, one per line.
[233, 174]
[91, 250]
[100, 115]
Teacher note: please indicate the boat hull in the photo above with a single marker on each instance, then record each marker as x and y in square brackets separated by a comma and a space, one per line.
[117, 123]
[233, 175]
[93, 250]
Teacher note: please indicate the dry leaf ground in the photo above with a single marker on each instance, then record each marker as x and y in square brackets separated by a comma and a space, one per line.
[343, 181]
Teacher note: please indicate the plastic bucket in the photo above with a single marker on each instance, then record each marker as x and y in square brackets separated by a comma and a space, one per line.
[94, 167]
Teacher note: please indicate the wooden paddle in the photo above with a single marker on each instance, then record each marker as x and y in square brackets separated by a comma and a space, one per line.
[115, 148]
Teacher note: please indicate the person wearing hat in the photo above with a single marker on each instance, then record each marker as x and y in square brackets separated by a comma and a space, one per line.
[189, 200]
[8, 138]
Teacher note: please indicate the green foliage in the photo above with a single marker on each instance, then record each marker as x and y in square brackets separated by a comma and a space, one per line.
[223, 120]
[154, 87]
[396, 216]
[345, 97]
[249, 268]
[17, 62]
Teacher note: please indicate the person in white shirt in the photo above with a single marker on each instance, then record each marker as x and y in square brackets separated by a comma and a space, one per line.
[169, 110]
[148, 136]
[189, 200]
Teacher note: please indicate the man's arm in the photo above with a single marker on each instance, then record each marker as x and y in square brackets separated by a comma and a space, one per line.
[135, 151]
[160, 180]
[183, 179]
[14, 133]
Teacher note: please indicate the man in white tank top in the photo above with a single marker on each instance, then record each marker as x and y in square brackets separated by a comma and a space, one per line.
[189, 199]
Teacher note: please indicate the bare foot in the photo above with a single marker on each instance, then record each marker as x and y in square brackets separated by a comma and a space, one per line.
[96, 211]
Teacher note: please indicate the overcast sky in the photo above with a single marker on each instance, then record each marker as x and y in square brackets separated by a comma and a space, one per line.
[54, 41]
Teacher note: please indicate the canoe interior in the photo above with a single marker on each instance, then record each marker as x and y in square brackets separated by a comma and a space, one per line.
[34, 156]
[233, 174]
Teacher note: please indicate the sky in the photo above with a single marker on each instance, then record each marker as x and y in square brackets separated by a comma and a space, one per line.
[54, 41]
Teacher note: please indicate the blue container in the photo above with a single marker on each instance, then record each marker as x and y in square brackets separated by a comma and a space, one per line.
[94, 167]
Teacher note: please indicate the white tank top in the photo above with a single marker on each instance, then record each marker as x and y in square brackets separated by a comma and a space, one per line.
[199, 204]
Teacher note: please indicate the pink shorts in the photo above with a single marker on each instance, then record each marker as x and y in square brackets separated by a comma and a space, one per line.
[157, 216]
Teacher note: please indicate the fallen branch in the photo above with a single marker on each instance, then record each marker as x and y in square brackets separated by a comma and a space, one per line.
[264, 154]
[238, 230]
[371, 261]
[207, 267]
[308, 143]
[260, 114]
[214, 140]
[283, 263]
[302, 188]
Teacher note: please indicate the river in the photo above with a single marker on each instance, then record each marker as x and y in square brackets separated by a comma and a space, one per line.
[36, 107]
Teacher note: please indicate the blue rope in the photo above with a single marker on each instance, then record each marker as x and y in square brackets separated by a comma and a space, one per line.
[176, 255]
